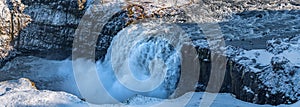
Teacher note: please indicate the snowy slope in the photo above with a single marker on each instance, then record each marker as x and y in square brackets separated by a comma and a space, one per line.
[222, 100]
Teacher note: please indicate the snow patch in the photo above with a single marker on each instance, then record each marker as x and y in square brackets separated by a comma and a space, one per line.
[22, 93]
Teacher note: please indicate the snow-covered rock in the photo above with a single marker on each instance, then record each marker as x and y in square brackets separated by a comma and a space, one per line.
[275, 70]
[22, 92]
[22, 84]
[194, 99]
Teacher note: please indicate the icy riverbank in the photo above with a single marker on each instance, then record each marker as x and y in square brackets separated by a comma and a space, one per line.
[22, 93]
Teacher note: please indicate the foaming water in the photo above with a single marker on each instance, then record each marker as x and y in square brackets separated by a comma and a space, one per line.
[150, 58]
[143, 58]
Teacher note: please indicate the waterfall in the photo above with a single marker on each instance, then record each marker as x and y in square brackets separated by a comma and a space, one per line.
[147, 58]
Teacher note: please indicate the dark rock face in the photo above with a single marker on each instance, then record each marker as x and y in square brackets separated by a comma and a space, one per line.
[50, 34]
[110, 29]
[275, 84]
[54, 22]
[268, 80]
[49, 30]
[248, 78]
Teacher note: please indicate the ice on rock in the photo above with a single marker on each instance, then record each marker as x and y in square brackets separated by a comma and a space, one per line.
[277, 46]
[277, 67]
[22, 84]
[22, 92]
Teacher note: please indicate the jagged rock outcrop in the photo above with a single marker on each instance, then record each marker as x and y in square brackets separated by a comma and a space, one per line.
[12, 21]
[254, 74]
[50, 34]
[131, 15]
[260, 76]
[53, 24]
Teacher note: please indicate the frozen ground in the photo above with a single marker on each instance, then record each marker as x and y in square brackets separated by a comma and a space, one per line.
[22, 93]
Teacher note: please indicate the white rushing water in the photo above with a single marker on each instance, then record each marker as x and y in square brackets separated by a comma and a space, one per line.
[140, 63]
[143, 59]
[142, 67]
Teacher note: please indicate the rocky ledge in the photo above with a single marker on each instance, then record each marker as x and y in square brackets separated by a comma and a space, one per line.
[262, 76]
